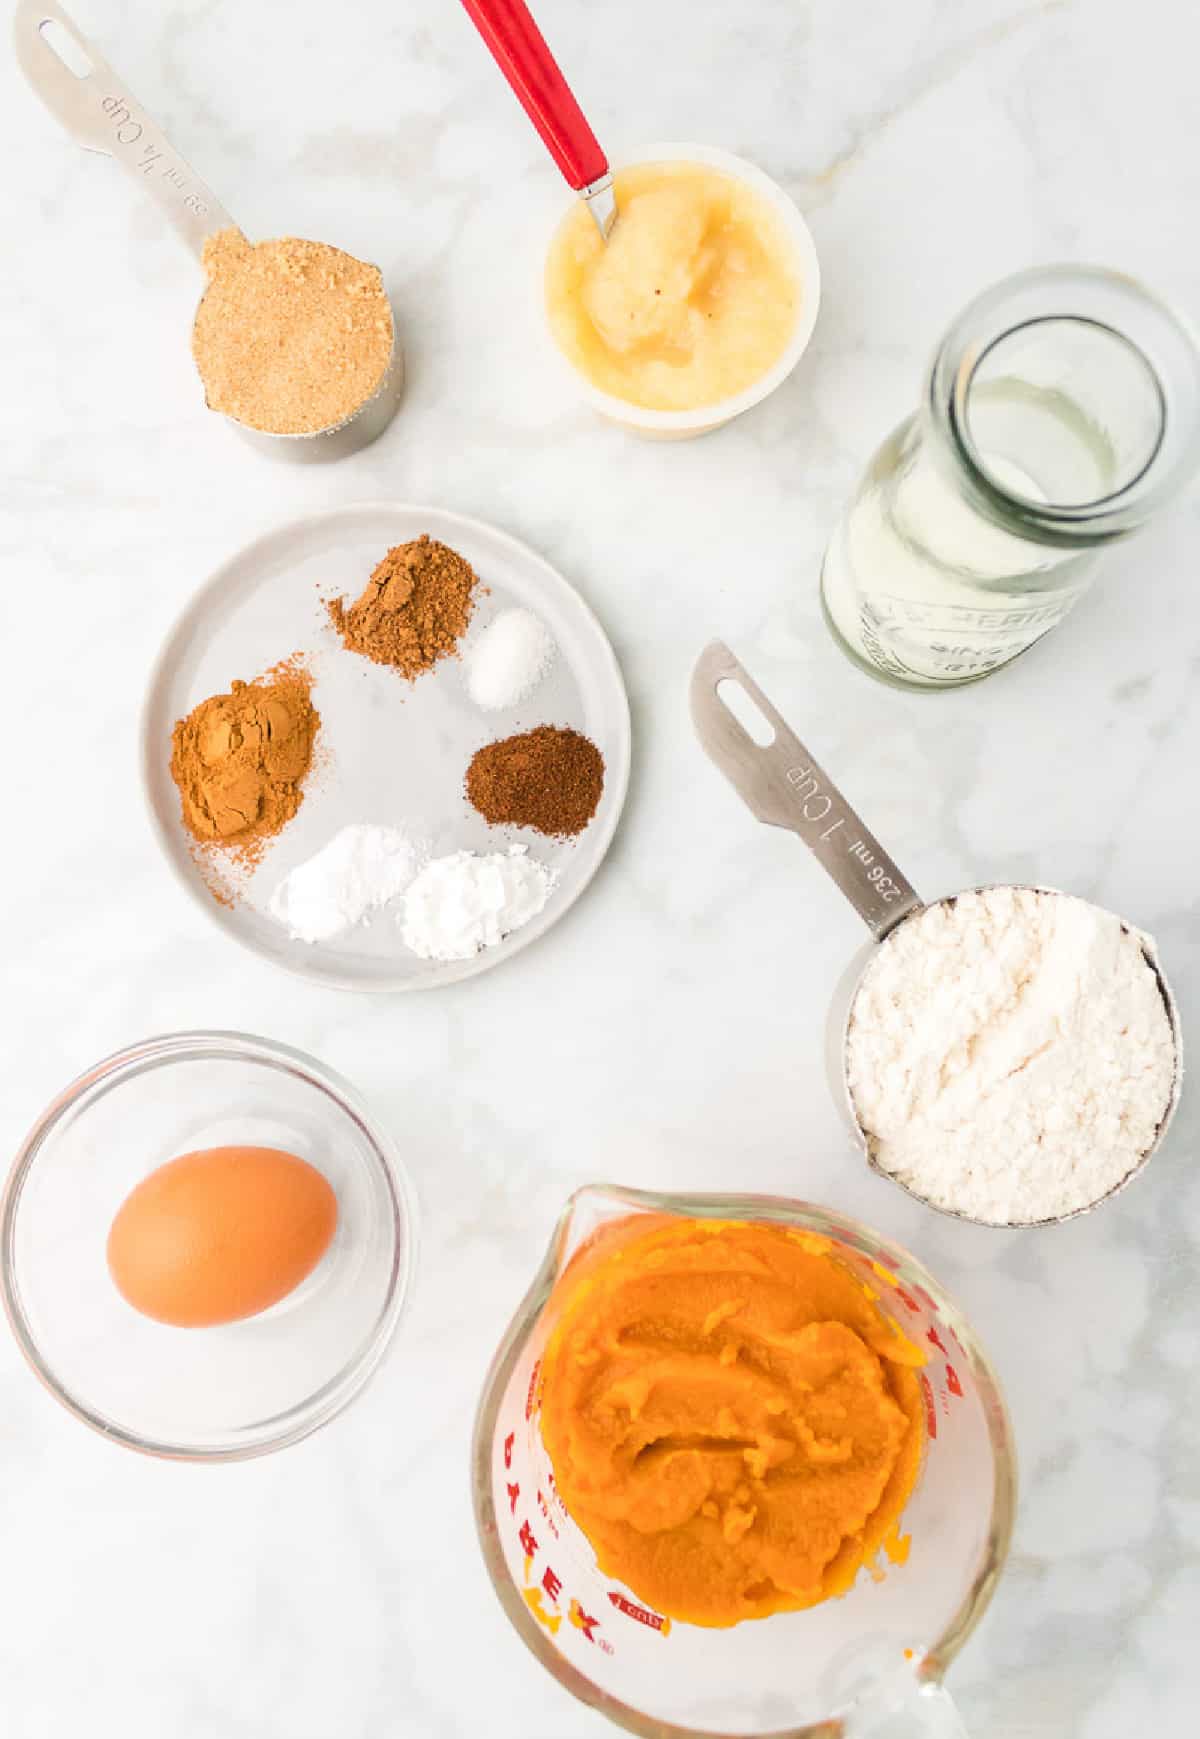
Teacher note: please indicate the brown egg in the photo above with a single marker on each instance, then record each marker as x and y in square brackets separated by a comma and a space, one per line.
[220, 1234]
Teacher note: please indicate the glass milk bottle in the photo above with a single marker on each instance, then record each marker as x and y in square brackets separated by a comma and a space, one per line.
[1062, 412]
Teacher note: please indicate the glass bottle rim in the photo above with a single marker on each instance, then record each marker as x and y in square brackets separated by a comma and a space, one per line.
[1125, 309]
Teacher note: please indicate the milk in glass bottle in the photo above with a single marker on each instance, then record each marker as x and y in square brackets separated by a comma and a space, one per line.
[1062, 411]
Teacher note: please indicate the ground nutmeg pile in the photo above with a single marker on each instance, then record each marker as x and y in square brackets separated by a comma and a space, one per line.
[414, 609]
[550, 779]
[292, 336]
[240, 759]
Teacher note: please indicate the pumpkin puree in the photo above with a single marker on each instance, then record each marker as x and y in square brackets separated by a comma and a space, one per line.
[732, 1420]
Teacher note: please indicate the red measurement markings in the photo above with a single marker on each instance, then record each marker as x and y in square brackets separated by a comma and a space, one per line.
[545, 1509]
[643, 1615]
[531, 1395]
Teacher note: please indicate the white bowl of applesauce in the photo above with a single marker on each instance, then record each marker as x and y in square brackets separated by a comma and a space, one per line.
[701, 302]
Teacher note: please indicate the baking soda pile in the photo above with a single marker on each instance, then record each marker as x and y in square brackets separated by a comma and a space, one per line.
[468, 901]
[1010, 1055]
[358, 871]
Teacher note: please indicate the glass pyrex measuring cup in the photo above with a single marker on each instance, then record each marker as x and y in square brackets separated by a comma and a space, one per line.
[783, 786]
[865, 1666]
[83, 92]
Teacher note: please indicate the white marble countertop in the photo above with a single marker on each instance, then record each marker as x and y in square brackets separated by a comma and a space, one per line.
[669, 1032]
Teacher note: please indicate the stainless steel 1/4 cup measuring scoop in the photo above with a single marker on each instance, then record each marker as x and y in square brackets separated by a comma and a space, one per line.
[784, 787]
[83, 92]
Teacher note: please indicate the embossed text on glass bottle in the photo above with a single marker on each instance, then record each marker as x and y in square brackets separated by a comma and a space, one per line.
[1062, 412]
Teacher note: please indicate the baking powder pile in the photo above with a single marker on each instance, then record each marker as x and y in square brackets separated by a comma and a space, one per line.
[1010, 1055]
[355, 873]
[468, 901]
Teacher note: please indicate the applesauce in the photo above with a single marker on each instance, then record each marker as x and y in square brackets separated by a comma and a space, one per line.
[695, 296]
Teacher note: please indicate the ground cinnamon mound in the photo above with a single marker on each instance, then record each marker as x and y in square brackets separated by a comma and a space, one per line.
[292, 336]
[413, 610]
[240, 760]
[550, 779]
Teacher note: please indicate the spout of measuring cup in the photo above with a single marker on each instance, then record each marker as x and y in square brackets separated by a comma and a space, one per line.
[927, 1711]
[884, 1695]
[603, 1216]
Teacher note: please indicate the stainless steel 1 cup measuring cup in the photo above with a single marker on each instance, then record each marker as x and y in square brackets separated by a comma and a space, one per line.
[784, 787]
[868, 1665]
[86, 96]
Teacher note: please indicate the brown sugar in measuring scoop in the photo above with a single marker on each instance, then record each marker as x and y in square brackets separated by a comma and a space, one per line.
[240, 760]
[292, 336]
[414, 609]
[550, 779]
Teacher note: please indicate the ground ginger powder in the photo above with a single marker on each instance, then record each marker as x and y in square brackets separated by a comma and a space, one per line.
[732, 1420]
[240, 760]
[292, 336]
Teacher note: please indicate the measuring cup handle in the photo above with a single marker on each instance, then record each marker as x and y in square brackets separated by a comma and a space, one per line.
[784, 786]
[101, 115]
[929, 1712]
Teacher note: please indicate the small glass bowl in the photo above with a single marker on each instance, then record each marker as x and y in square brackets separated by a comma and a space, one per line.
[201, 1394]
[684, 425]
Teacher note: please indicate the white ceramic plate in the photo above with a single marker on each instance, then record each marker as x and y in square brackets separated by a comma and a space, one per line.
[388, 751]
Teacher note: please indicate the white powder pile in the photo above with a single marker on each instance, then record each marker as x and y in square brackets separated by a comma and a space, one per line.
[1010, 1055]
[508, 659]
[359, 870]
[464, 902]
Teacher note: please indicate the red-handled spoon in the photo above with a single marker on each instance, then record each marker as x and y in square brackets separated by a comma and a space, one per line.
[519, 50]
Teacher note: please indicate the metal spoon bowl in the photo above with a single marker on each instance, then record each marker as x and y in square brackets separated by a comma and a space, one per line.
[83, 92]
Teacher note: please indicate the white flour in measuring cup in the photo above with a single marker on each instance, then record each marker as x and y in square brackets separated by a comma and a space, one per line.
[1010, 1055]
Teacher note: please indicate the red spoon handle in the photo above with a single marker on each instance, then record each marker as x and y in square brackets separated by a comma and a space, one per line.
[520, 51]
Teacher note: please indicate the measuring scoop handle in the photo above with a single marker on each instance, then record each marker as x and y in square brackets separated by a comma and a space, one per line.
[784, 786]
[99, 113]
[519, 50]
